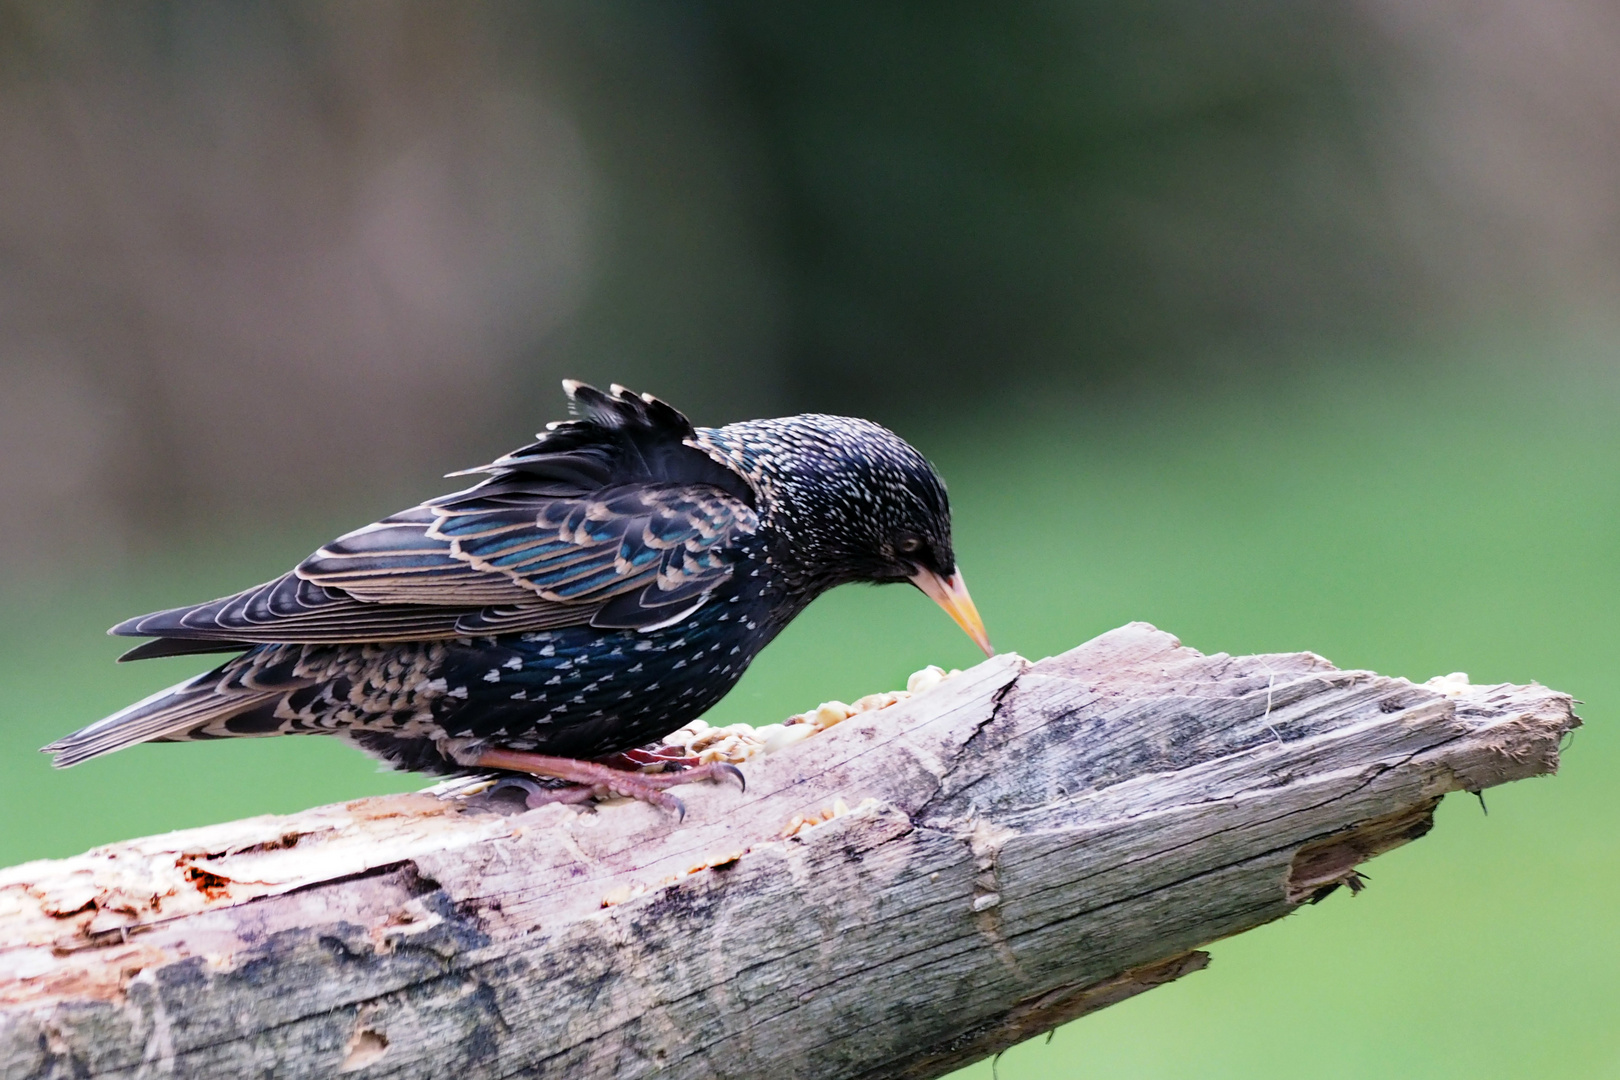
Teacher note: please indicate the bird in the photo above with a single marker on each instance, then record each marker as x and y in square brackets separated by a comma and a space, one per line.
[596, 590]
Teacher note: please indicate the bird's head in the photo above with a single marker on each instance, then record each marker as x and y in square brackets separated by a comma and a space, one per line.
[852, 501]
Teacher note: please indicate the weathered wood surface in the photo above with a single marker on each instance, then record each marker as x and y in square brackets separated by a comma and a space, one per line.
[1025, 843]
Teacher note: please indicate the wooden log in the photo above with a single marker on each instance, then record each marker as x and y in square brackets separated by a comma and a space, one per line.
[906, 892]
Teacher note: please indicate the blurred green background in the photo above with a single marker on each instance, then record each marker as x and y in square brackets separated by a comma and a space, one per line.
[1281, 326]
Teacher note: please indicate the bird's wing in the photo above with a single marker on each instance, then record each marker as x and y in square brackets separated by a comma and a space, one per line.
[609, 520]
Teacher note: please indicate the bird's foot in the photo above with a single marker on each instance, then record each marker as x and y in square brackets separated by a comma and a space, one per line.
[633, 760]
[593, 779]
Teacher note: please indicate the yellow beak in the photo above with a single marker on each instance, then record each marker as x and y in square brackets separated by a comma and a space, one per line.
[953, 596]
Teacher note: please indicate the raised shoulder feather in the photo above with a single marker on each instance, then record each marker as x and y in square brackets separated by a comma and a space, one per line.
[610, 519]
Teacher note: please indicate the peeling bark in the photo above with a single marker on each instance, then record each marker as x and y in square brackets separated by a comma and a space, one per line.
[906, 892]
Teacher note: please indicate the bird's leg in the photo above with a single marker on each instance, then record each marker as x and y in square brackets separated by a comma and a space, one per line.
[595, 778]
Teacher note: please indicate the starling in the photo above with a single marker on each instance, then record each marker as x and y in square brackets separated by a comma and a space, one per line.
[599, 589]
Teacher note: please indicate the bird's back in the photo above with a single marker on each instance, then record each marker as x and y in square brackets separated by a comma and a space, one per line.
[576, 550]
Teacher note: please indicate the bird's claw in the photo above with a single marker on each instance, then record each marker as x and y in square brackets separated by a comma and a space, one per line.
[528, 787]
[711, 771]
[732, 770]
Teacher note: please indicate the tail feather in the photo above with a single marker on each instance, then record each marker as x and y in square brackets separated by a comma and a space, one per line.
[191, 704]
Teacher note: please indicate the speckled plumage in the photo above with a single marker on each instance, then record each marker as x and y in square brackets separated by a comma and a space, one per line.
[599, 589]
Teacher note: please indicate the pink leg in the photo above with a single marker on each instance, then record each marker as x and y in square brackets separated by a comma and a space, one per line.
[601, 780]
[664, 755]
[536, 794]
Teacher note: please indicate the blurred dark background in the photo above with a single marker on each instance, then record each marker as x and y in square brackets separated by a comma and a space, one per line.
[257, 255]
[1280, 325]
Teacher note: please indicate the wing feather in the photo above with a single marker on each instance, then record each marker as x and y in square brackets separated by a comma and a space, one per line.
[610, 517]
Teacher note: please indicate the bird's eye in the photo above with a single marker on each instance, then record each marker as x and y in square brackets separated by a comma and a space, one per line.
[908, 545]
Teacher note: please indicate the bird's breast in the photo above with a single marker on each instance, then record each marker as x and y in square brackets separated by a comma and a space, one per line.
[579, 691]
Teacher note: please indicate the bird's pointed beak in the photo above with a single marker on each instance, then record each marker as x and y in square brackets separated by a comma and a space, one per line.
[952, 595]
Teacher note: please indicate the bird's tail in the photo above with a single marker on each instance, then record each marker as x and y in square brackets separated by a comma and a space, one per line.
[167, 714]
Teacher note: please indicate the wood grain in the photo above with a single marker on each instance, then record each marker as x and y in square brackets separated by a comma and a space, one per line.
[902, 894]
